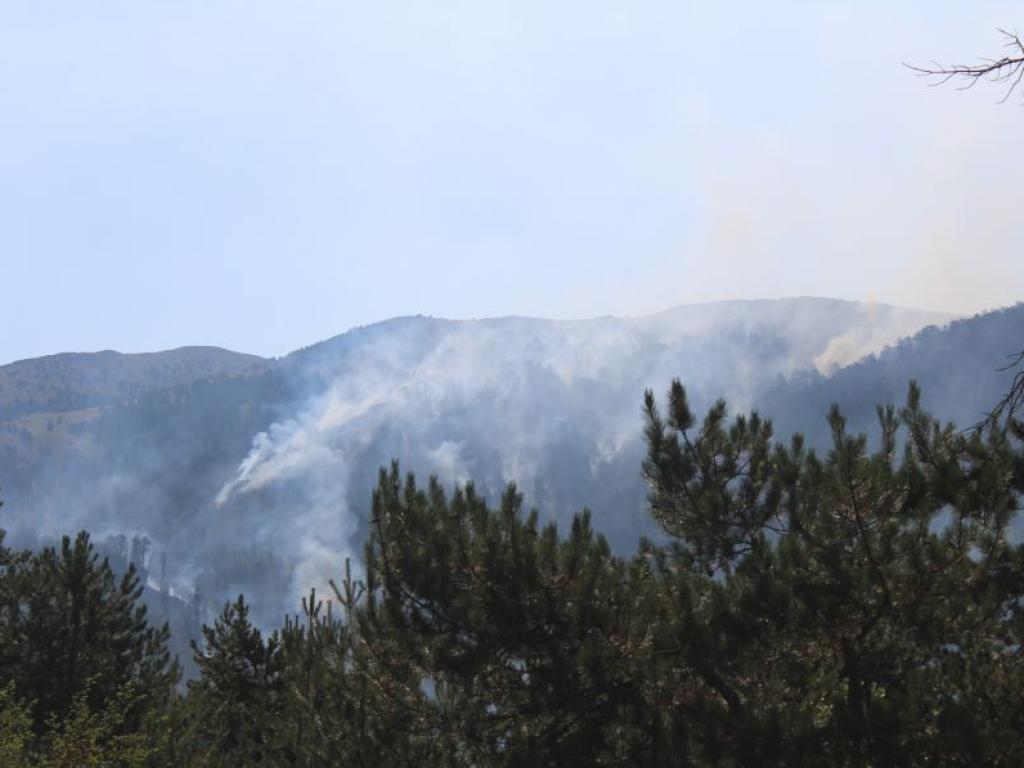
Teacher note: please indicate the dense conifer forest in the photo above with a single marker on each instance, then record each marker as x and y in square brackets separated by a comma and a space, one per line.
[861, 605]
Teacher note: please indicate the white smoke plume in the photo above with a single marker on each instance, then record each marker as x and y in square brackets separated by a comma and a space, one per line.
[550, 405]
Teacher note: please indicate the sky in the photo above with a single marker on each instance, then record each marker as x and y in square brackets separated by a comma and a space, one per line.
[263, 175]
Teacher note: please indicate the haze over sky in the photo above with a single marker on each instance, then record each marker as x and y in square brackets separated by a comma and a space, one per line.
[262, 175]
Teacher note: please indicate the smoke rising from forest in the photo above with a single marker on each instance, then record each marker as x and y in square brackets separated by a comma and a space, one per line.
[259, 482]
[550, 406]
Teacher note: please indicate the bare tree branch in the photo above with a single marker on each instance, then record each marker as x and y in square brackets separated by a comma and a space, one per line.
[1008, 70]
[1013, 401]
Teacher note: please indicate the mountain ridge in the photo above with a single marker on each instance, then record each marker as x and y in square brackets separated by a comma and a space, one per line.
[259, 481]
[68, 381]
[702, 306]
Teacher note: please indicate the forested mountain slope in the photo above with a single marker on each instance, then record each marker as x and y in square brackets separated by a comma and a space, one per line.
[72, 381]
[257, 480]
[962, 368]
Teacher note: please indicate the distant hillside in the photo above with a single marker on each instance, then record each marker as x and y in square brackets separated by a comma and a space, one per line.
[957, 367]
[256, 479]
[73, 381]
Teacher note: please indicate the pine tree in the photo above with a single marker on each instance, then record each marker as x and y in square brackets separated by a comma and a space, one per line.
[352, 698]
[240, 692]
[533, 648]
[68, 628]
[858, 608]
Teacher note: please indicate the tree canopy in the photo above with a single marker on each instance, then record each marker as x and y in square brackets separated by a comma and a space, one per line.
[862, 606]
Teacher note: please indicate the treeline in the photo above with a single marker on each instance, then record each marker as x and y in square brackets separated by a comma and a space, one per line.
[982, 374]
[860, 607]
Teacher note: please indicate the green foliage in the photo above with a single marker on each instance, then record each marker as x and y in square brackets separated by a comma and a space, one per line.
[68, 626]
[84, 675]
[353, 697]
[860, 607]
[240, 690]
[88, 738]
[527, 641]
[865, 607]
[15, 730]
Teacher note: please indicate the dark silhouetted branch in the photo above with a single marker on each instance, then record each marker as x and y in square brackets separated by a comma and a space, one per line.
[1008, 69]
[1013, 400]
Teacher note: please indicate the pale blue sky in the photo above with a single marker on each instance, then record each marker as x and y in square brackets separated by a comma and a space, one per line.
[262, 175]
